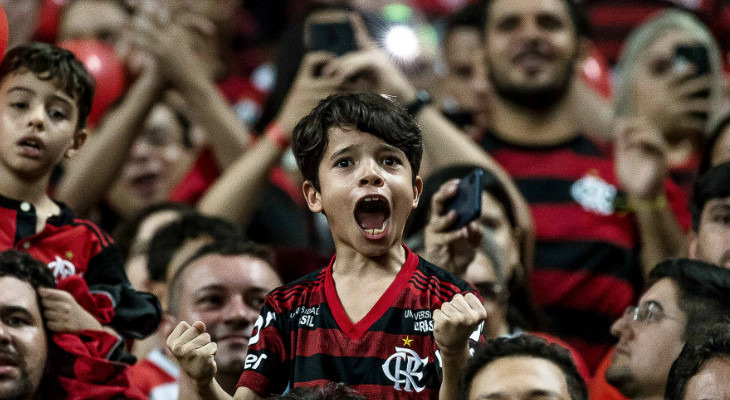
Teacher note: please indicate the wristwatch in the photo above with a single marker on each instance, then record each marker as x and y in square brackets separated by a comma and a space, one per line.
[422, 99]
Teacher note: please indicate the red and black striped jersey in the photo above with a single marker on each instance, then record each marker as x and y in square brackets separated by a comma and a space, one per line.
[73, 246]
[304, 338]
[612, 21]
[587, 267]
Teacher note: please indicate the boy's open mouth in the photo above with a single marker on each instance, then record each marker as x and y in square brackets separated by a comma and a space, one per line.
[32, 146]
[371, 214]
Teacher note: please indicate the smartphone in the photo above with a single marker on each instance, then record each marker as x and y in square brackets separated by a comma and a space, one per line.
[468, 200]
[335, 37]
[698, 57]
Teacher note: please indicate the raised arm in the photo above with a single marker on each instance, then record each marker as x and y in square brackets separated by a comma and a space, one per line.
[641, 166]
[171, 45]
[235, 194]
[90, 174]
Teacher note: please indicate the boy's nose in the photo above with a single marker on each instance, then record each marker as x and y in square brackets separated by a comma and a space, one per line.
[36, 118]
[371, 175]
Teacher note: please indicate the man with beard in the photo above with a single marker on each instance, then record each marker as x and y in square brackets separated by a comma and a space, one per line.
[710, 236]
[684, 298]
[593, 213]
[24, 339]
[222, 284]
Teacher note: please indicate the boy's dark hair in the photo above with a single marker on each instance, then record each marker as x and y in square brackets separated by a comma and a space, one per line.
[471, 16]
[168, 239]
[366, 112]
[704, 291]
[714, 184]
[712, 344]
[222, 247]
[577, 14]
[524, 346]
[126, 232]
[49, 62]
[332, 391]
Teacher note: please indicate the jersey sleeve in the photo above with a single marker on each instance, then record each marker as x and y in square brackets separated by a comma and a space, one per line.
[266, 369]
[136, 314]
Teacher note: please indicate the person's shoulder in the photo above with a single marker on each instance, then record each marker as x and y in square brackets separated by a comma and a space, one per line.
[439, 278]
[298, 290]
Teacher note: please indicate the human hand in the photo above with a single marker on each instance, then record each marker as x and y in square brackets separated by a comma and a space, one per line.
[194, 351]
[307, 90]
[64, 314]
[641, 159]
[669, 101]
[456, 321]
[452, 250]
[177, 42]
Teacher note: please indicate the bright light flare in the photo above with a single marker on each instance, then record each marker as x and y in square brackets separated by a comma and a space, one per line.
[402, 42]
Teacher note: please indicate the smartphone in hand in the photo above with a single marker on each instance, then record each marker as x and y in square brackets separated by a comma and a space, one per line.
[468, 200]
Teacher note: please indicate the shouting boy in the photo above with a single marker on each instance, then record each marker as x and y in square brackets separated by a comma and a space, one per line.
[378, 318]
[45, 97]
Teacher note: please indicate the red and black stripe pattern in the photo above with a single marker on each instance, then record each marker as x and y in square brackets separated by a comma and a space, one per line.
[304, 338]
[586, 258]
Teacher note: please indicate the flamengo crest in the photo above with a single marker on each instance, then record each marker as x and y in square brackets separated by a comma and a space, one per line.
[405, 368]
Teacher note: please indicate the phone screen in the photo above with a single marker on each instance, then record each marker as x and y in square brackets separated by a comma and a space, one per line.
[468, 200]
[334, 37]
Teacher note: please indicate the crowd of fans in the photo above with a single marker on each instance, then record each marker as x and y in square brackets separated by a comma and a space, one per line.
[253, 199]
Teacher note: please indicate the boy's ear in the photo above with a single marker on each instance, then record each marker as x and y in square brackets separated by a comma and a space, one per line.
[79, 140]
[417, 190]
[313, 197]
[584, 49]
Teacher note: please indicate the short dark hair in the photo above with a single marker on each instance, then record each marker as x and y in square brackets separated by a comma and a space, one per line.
[49, 62]
[366, 112]
[165, 243]
[471, 16]
[704, 291]
[223, 247]
[714, 184]
[124, 235]
[577, 14]
[26, 268]
[332, 391]
[528, 346]
[712, 344]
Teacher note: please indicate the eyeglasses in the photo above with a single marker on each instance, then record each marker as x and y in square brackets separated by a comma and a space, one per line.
[648, 313]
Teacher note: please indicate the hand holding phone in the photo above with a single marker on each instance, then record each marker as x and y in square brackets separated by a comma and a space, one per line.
[468, 200]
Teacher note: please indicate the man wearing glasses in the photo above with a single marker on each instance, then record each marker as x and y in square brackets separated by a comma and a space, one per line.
[684, 296]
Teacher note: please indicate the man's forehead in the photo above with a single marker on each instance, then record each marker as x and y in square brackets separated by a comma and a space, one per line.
[215, 270]
[502, 8]
[718, 202]
[17, 293]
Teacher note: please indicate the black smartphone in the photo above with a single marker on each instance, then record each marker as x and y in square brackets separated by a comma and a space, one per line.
[695, 55]
[468, 200]
[335, 37]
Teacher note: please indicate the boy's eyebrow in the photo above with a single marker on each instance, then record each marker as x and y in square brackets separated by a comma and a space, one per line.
[31, 91]
[341, 152]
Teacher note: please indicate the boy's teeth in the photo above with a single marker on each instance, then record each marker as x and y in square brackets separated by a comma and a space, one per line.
[374, 231]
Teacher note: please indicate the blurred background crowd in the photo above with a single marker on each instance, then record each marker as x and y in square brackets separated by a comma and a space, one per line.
[186, 88]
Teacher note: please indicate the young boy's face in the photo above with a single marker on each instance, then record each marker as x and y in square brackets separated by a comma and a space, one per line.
[366, 190]
[37, 125]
